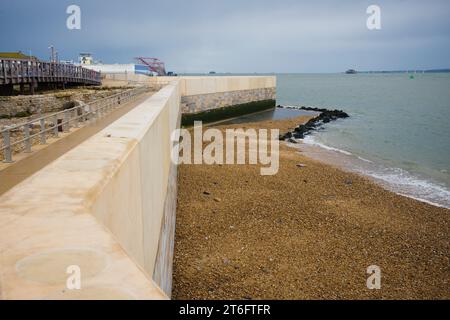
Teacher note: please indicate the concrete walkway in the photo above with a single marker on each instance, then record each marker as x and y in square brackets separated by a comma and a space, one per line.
[27, 164]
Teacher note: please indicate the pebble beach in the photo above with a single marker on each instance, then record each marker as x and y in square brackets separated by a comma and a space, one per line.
[308, 232]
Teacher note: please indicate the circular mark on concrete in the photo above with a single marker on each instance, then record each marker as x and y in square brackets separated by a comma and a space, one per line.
[50, 267]
[91, 293]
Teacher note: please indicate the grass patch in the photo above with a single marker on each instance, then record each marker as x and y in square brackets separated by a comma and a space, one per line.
[22, 114]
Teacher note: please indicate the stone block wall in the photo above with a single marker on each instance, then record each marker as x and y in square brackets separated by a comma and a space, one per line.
[45, 103]
[204, 102]
[10, 106]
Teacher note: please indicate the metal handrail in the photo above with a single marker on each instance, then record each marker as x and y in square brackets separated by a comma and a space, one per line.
[83, 114]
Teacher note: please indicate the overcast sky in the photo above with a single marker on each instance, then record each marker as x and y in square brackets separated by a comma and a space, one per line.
[236, 35]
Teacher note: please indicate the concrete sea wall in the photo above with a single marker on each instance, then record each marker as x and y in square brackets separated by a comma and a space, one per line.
[211, 101]
[126, 79]
[107, 206]
[211, 98]
[100, 207]
[214, 98]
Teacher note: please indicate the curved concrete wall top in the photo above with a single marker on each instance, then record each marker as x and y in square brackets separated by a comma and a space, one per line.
[205, 85]
[194, 85]
[101, 206]
[98, 207]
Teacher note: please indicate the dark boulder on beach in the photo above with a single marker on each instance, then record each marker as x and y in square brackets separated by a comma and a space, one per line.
[327, 113]
[325, 116]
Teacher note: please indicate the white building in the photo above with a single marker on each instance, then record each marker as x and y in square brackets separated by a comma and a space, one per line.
[87, 61]
[85, 58]
[111, 68]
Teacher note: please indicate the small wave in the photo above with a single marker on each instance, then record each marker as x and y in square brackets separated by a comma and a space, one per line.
[364, 159]
[311, 141]
[397, 180]
[424, 200]
[406, 184]
[402, 177]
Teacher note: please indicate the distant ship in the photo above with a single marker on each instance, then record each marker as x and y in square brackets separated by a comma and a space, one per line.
[350, 71]
[212, 72]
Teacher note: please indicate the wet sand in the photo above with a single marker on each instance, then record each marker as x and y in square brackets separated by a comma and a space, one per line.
[308, 232]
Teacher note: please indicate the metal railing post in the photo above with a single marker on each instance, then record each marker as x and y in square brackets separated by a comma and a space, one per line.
[93, 112]
[26, 132]
[55, 124]
[7, 144]
[66, 125]
[43, 140]
[75, 119]
[80, 116]
[85, 112]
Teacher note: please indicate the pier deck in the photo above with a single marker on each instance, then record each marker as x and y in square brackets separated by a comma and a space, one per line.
[33, 73]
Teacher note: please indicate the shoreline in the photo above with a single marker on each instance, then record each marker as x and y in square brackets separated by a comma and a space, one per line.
[302, 228]
[303, 135]
[350, 162]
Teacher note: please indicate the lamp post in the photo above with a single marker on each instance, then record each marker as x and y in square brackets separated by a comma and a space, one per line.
[52, 57]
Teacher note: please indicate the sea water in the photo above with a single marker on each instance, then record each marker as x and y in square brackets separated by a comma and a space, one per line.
[398, 132]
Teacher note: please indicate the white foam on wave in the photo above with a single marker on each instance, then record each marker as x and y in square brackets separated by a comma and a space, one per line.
[364, 159]
[397, 180]
[311, 141]
[424, 200]
[406, 184]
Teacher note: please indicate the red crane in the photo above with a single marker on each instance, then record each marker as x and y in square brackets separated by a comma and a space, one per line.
[153, 64]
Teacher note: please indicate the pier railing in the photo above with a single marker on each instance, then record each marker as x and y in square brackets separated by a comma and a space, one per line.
[17, 71]
[51, 125]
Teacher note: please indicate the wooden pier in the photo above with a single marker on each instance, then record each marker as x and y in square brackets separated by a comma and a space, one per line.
[34, 73]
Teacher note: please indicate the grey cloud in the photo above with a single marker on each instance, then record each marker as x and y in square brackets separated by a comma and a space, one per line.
[238, 36]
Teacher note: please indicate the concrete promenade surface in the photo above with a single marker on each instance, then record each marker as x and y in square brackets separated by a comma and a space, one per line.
[26, 164]
[106, 206]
